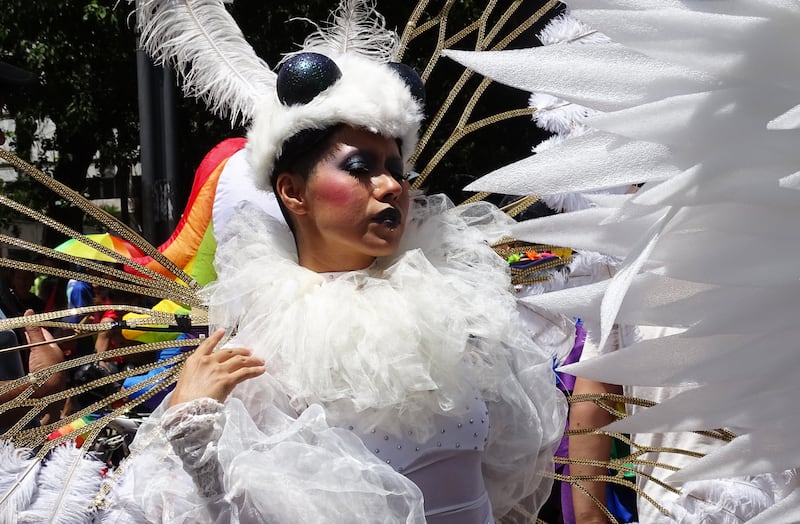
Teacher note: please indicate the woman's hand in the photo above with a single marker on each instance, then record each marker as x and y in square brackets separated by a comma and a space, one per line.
[214, 374]
[42, 356]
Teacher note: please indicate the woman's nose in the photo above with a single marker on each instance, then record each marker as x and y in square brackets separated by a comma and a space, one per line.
[387, 187]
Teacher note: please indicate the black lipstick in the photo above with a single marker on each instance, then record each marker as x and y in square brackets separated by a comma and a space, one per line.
[389, 217]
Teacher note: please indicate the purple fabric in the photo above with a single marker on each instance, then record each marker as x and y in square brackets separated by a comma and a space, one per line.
[567, 383]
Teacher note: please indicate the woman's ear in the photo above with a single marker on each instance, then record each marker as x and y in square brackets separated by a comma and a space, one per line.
[290, 189]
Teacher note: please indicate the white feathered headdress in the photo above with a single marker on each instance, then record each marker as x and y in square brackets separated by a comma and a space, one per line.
[344, 74]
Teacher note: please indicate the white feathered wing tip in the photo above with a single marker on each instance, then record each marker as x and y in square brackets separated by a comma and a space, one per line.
[356, 27]
[559, 116]
[200, 39]
[554, 114]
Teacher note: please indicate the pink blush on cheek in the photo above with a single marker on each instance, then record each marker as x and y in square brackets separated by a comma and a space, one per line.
[335, 191]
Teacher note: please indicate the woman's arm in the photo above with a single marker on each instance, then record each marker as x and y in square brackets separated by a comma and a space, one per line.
[193, 425]
[588, 415]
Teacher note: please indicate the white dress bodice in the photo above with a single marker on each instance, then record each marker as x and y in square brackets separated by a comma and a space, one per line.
[446, 467]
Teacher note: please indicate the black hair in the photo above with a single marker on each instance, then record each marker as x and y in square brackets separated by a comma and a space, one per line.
[299, 155]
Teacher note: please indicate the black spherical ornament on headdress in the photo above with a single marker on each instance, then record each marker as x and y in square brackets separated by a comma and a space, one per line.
[412, 79]
[304, 76]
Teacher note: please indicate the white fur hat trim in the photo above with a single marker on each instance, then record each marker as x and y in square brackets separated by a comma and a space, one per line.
[369, 95]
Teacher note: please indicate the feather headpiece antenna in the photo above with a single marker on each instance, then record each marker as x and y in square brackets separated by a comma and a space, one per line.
[205, 45]
[355, 27]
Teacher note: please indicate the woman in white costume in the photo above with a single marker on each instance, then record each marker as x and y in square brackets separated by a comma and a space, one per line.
[387, 375]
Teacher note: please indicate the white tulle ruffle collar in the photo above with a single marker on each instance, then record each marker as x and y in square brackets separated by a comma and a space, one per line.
[411, 336]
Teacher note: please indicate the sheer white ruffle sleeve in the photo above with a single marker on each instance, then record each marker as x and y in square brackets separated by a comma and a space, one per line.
[207, 462]
[527, 418]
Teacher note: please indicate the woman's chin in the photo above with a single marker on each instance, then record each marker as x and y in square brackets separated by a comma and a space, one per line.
[378, 250]
[386, 245]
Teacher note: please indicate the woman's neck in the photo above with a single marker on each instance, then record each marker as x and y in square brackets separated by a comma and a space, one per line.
[325, 260]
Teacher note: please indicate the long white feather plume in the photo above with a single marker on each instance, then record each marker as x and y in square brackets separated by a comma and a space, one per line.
[17, 481]
[205, 45]
[355, 27]
[68, 483]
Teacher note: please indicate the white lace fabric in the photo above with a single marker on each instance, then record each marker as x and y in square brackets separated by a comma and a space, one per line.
[193, 429]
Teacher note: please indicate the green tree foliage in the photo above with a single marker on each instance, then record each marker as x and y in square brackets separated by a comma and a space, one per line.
[83, 53]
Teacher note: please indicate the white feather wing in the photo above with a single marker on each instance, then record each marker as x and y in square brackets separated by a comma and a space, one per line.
[700, 82]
